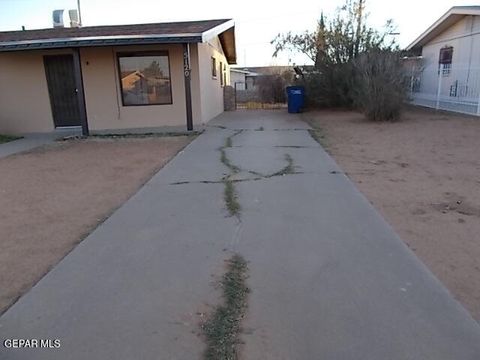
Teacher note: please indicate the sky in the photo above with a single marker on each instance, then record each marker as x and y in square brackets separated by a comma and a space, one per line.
[256, 22]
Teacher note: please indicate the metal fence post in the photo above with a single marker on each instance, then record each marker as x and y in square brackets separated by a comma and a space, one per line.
[478, 100]
[412, 82]
[439, 90]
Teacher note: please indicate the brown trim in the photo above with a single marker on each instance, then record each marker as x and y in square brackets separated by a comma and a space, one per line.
[140, 54]
[213, 65]
[77, 65]
[188, 88]
[221, 75]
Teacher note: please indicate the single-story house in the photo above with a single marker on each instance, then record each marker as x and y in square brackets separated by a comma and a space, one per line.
[238, 78]
[111, 78]
[444, 65]
[246, 78]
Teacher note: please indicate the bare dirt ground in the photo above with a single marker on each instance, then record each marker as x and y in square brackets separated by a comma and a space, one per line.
[423, 175]
[52, 197]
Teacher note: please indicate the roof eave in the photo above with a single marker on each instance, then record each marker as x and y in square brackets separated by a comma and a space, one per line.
[217, 30]
[227, 40]
[226, 34]
[225, 31]
[449, 18]
[99, 41]
[239, 71]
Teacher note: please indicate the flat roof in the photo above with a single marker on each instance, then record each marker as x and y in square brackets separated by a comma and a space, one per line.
[155, 33]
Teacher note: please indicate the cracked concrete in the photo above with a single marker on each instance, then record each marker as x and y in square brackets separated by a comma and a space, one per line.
[329, 277]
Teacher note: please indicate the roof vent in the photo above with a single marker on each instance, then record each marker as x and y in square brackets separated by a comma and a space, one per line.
[74, 22]
[58, 19]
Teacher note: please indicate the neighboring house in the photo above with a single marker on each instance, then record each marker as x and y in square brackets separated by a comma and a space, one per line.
[109, 78]
[251, 80]
[246, 78]
[444, 70]
[238, 78]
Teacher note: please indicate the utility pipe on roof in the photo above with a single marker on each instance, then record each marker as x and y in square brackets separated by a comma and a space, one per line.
[79, 14]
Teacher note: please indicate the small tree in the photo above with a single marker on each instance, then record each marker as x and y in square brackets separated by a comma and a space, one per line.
[339, 40]
[153, 70]
[333, 47]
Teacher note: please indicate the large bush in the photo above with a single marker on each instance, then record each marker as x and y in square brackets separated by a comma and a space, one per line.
[379, 88]
[330, 86]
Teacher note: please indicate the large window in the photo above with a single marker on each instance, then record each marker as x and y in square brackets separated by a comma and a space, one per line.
[145, 78]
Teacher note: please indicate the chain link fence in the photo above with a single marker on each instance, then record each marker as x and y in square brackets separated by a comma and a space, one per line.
[268, 92]
[452, 88]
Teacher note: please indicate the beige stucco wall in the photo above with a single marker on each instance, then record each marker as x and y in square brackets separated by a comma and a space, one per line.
[25, 104]
[211, 91]
[103, 95]
[24, 99]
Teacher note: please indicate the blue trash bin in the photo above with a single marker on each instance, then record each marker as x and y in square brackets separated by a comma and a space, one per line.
[296, 96]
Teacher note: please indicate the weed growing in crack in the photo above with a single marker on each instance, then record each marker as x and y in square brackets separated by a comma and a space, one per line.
[288, 169]
[256, 173]
[292, 146]
[230, 195]
[318, 135]
[222, 329]
[316, 132]
[223, 155]
[231, 198]
[226, 161]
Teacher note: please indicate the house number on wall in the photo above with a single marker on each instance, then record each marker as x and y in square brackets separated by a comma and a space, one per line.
[186, 61]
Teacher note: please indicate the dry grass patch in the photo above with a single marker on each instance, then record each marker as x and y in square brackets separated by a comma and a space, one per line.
[423, 175]
[52, 197]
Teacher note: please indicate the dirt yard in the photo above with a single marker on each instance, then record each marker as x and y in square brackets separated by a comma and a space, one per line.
[52, 197]
[423, 175]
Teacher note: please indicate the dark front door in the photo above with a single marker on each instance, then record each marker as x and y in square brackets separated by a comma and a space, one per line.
[60, 74]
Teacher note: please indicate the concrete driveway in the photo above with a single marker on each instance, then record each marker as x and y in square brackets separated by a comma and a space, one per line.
[329, 278]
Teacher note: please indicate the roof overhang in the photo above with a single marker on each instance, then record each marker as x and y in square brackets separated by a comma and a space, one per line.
[99, 41]
[451, 17]
[239, 71]
[227, 39]
[226, 34]
[225, 31]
